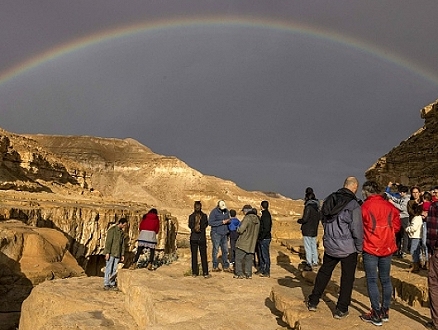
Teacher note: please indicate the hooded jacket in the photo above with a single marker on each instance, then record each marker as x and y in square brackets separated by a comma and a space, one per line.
[249, 232]
[342, 220]
[381, 221]
[310, 220]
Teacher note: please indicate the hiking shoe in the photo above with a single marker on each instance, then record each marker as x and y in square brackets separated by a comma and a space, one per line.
[107, 287]
[384, 314]
[310, 307]
[216, 270]
[248, 277]
[372, 317]
[340, 315]
[264, 275]
[307, 268]
[207, 276]
[239, 277]
[228, 270]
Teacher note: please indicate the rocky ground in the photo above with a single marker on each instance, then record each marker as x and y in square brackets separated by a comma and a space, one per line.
[169, 298]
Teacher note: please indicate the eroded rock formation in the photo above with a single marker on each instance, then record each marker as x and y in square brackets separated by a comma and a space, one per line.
[414, 161]
[29, 256]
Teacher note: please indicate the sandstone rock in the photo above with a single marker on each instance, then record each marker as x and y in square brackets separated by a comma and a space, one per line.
[76, 303]
[414, 161]
[29, 256]
[166, 299]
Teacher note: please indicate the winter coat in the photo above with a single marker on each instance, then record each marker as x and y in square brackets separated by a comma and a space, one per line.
[381, 222]
[150, 222]
[249, 232]
[415, 228]
[310, 220]
[115, 242]
[265, 225]
[342, 220]
[200, 235]
[215, 221]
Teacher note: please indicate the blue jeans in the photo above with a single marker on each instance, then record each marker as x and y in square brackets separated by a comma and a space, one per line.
[311, 250]
[381, 267]
[264, 257]
[221, 241]
[415, 249]
[110, 269]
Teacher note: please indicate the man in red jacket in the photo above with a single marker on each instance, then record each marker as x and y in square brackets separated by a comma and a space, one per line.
[381, 222]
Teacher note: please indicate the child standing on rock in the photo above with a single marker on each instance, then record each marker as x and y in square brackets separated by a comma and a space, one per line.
[232, 227]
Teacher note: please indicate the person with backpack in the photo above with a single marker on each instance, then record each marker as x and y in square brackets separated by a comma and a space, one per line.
[343, 235]
[381, 223]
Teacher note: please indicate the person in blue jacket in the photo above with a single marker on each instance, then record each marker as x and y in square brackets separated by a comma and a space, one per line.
[232, 227]
[218, 220]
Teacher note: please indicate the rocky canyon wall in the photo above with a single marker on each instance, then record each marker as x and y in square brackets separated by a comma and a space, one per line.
[414, 161]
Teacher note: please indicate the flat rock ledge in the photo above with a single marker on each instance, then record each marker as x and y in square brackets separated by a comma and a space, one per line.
[168, 299]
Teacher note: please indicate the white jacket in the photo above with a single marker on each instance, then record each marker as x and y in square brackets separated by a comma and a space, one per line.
[415, 227]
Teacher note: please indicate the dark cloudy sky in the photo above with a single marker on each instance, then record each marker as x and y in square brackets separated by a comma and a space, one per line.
[273, 95]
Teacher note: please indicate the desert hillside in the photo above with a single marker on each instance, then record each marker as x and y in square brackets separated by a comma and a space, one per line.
[115, 171]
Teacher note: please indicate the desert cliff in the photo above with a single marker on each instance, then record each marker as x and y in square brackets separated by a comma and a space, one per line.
[414, 161]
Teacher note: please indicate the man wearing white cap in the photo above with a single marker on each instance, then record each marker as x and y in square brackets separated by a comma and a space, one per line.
[218, 220]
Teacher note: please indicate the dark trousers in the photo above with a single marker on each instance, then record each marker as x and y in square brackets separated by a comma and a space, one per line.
[243, 263]
[202, 247]
[233, 239]
[140, 250]
[348, 269]
[402, 238]
[432, 281]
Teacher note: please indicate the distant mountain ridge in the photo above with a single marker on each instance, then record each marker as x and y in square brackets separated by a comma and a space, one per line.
[117, 170]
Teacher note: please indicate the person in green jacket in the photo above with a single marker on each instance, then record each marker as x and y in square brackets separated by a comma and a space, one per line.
[245, 245]
[114, 252]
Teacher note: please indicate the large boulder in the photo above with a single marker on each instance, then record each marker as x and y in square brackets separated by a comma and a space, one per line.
[29, 256]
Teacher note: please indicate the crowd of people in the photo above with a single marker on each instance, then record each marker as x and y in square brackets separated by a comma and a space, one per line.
[388, 223]
[396, 221]
[249, 240]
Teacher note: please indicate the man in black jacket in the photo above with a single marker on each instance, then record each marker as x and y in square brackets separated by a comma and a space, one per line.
[264, 240]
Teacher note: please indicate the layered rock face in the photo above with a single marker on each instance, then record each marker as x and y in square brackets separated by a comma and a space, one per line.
[29, 256]
[85, 226]
[414, 161]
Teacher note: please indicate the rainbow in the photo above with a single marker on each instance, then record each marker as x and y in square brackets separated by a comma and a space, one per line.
[168, 24]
